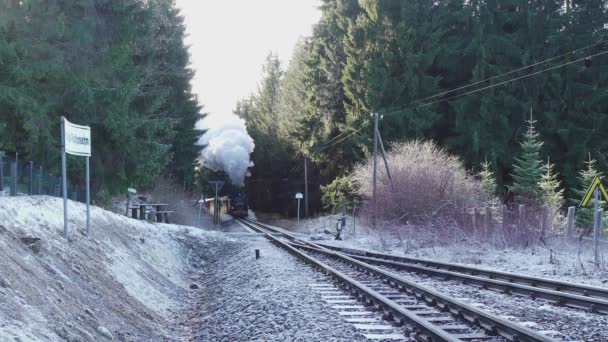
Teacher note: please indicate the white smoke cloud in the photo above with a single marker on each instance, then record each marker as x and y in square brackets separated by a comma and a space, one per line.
[227, 146]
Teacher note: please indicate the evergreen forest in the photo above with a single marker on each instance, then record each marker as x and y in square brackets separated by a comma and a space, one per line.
[467, 74]
[120, 67]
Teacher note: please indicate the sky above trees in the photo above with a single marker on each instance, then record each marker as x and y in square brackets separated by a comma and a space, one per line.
[229, 41]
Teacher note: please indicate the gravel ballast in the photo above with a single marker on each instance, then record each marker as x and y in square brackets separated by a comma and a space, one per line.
[561, 323]
[244, 299]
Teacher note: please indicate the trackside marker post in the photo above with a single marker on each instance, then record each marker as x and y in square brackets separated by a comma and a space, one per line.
[594, 189]
[299, 196]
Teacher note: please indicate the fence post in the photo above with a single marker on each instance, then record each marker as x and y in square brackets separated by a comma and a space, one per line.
[489, 218]
[570, 226]
[13, 179]
[51, 185]
[479, 220]
[463, 217]
[597, 226]
[473, 220]
[521, 215]
[1, 172]
[504, 217]
[40, 181]
[544, 220]
[30, 171]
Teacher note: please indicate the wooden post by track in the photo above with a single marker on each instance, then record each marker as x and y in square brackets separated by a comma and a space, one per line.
[570, 226]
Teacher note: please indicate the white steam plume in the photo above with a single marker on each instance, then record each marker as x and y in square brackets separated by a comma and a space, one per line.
[227, 146]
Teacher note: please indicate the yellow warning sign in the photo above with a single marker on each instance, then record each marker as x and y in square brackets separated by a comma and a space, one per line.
[597, 182]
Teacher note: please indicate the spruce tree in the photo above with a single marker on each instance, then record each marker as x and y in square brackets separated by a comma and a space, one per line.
[584, 216]
[551, 191]
[488, 188]
[527, 171]
[488, 181]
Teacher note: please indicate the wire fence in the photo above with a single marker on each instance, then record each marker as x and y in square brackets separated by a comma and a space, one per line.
[25, 178]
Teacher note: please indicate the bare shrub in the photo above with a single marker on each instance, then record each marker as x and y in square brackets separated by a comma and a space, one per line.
[429, 185]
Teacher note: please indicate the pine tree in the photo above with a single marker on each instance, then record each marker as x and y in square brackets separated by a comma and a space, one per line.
[527, 171]
[551, 191]
[488, 188]
[584, 216]
[488, 181]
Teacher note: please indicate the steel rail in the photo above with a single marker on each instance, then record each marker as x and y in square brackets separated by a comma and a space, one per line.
[532, 281]
[592, 298]
[427, 330]
[556, 285]
[490, 323]
[487, 321]
[559, 298]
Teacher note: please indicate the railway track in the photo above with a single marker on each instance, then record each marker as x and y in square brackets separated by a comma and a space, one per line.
[423, 312]
[579, 296]
[549, 284]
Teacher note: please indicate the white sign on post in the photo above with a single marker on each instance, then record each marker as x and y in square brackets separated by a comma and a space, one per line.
[77, 139]
[299, 196]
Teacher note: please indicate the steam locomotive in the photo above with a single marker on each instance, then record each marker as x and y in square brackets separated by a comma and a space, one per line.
[237, 204]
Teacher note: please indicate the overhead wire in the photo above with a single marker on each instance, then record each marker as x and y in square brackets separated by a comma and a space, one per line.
[393, 108]
[397, 109]
[346, 137]
[501, 83]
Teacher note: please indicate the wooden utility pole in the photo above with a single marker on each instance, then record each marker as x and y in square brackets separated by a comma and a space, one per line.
[388, 171]
[305, 187]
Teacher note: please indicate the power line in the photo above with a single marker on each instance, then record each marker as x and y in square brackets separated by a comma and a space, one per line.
[383, 110]
[334, 138]
[400, 108]
[504, 82]
[346, 137]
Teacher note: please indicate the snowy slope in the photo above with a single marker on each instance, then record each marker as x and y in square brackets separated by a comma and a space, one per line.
[126, 281]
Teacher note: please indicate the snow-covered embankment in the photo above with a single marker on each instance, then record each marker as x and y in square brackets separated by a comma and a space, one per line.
[126, 281]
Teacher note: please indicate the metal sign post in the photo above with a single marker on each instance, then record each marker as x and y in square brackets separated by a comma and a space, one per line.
[63, 180]
[299, 197]
[596, 226]
[75, 140]
[88, 195]
[594, 189]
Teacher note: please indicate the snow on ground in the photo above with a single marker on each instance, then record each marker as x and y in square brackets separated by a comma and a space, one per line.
[262, 300]
[558, 259]
[561, 323]
[128, 280]
[566, 261]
